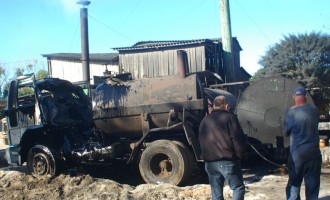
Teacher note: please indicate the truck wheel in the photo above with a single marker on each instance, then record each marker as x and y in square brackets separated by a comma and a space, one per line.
[189, 159]
[41, 161]
[163, 161]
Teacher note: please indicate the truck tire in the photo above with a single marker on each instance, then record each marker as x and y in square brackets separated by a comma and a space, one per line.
[189, 159]
[163, 161]
[41, 161]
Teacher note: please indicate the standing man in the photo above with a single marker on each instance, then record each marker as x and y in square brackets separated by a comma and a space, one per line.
[222, 142]
[301, 123]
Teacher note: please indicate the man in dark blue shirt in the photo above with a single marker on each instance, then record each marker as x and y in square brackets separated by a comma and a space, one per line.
[301, 124]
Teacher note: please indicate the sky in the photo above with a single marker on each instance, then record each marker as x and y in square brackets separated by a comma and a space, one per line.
[30, 28]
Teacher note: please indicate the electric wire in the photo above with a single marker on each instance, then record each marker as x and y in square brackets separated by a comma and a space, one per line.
[108, 27]
[131, 12]
[274, 16]
[74, 36]
[18, 61]
[262, 32]
[195, 7]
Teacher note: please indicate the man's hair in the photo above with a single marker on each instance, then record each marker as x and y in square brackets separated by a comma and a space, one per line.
[220, 101]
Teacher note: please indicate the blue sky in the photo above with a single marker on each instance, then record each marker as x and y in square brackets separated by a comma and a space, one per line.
[30, 28]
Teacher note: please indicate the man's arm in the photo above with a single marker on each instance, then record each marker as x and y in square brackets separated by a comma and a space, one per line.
[288, 123]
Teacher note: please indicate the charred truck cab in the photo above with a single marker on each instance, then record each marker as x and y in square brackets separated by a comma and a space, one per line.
[47, 119]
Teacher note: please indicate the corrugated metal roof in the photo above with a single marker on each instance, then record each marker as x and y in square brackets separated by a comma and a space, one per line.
[97, 58]
[145, 45]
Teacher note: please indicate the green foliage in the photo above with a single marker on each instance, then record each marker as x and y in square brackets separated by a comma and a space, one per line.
[304, 58]
[10, 72]
[2, 71]
[41, 74]
[25, 91]
[19, 72]
[3, 77]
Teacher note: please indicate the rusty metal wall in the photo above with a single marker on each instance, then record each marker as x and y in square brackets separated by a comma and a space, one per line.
[161, 63]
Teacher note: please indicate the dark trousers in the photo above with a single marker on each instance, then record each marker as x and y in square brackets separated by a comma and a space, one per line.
[310, 171]
[219, 171]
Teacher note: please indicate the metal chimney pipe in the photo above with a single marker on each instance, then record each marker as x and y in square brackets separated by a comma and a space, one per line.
[84, 45]
[182, 63]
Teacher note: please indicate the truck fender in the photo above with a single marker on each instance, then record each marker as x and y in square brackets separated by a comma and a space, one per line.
[137, 146]
[29, 139]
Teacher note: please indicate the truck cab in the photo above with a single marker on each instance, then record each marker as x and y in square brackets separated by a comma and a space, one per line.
[21, 113]
[46, 119]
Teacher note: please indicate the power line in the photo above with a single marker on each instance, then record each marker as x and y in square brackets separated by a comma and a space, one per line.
[122, 35]
[18, 61]
[263, 33]
[74, 35]
[195, 7]
[133, 9]
[274, 16]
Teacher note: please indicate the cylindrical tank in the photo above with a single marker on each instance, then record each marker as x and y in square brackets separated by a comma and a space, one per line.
[128, 108]
[262, 106]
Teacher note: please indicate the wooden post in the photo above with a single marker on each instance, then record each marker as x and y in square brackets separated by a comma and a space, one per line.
[227, 41]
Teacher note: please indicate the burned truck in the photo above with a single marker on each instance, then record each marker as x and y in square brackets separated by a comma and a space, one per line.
[153, 122]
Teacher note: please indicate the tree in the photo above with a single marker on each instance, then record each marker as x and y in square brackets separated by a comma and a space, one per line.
[19, 72]
[3, 78]
[20, 69]
[41, 74]
[304, 58]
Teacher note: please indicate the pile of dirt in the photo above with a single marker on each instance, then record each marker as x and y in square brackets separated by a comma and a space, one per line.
[15, 183]
[19, 185]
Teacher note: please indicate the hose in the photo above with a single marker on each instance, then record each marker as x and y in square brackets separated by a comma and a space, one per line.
[263, 157]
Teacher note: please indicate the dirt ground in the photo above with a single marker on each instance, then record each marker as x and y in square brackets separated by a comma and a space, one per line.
[262, 182]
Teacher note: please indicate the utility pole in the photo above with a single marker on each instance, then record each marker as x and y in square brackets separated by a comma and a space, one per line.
[227, 41]
[85, 43]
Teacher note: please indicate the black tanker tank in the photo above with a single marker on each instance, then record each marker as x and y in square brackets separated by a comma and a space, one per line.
[122, 106]
[261, 111]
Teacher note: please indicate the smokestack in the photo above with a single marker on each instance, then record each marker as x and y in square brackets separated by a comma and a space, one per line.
[84, 41]
[182, 63]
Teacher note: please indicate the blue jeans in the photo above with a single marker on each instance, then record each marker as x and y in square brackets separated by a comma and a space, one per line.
[229, 170]
[310, 171]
